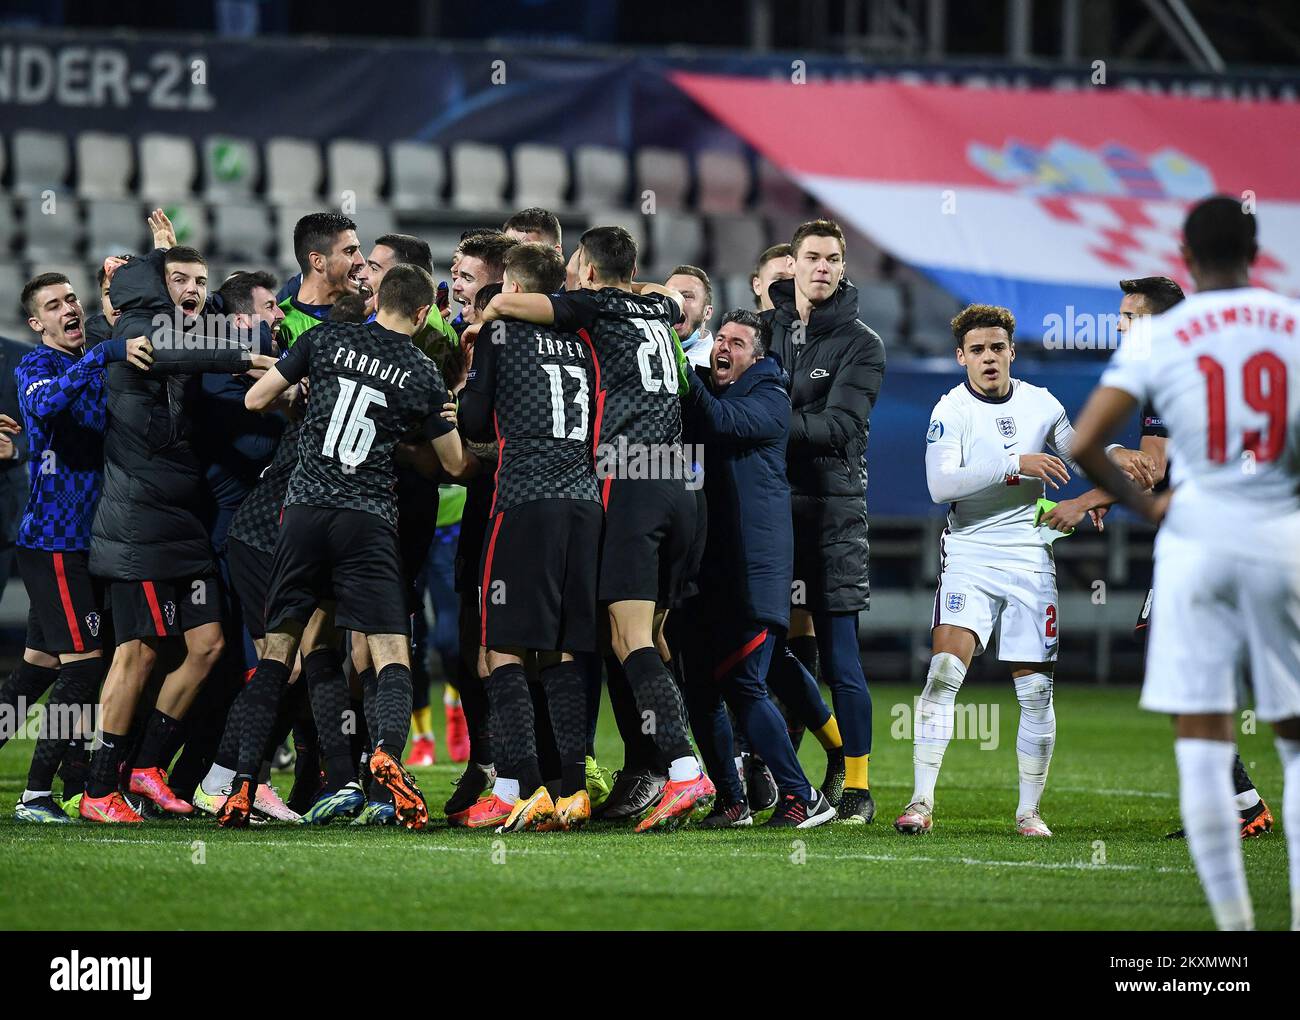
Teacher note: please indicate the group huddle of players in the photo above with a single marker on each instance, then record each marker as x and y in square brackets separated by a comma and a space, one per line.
[675, 515]
[247, 468]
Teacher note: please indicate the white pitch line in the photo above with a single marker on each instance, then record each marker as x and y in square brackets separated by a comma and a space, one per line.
[712, 853]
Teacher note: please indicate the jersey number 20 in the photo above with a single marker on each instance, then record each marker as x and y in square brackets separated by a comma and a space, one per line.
[350, 431]
[656, 357]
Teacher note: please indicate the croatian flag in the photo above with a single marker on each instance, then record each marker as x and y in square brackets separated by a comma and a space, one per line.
[1039, 201]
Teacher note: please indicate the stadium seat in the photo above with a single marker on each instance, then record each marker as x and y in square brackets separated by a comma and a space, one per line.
[115, 226]
[932, 311]
[8, 226]
[51, 230]
[241, 230]
[168, 168]
[355, 167]
[732, 292]
[776, 191]
[104, 165]
[478, 177]
[723, 181]
[676, 238]
[40, 161]
[372, 222]
[190, 221]
[631, 221]
[83, 283]
[880, 306]
[285, 218]
[736, 242]
[12, 278]
[600, 177]
[231, 168]
[293, 172]
[782, 225]
[541, 176]
[419, 175]
[664, 172]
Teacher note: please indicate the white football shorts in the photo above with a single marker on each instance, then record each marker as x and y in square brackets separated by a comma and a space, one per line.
[1019, 604]
[1215, 620]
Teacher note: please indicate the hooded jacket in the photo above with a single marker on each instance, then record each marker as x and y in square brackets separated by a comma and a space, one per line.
[148, 525]
[748, 558]
[836, 365]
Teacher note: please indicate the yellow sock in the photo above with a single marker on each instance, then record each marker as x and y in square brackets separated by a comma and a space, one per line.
[829, 735]
[450, 696]
[422, 721]
[855, 771]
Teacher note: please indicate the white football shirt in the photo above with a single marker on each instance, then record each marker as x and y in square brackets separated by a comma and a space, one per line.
[1222, 369]
[972, 461]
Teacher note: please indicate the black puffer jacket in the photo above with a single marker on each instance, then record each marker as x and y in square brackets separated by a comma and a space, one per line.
[836, 365]
[148, 524]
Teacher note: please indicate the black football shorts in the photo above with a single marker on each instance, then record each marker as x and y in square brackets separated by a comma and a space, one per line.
[166, 608]
[538, 580]
[350, 555]
[649, 536]
[66, 614]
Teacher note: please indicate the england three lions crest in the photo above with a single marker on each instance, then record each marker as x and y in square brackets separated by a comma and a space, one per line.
[1007, 426]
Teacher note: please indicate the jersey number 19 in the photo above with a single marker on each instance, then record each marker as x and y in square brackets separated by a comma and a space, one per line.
[1263, 386]
[350, 431]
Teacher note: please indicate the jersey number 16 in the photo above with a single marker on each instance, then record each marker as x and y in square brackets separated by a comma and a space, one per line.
[350, 431]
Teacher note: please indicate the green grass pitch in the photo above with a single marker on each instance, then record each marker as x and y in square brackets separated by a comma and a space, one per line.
[1111, 798]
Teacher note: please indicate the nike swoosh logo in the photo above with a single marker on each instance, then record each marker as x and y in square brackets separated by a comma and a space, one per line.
[818, 373]
[1007, 446]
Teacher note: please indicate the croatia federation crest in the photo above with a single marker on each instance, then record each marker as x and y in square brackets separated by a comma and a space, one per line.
[169, 611]
[1007, 426]
[93, 621]
[956, 602]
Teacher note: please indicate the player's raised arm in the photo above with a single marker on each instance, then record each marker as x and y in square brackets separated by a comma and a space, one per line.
[455, 457]
[535, 308]
[477, 396]
[1103, 416]
[946, 476]
[655, 288]
[292, 368]
[266, 391]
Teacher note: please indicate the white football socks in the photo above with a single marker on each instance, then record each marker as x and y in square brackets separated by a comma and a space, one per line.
[1246, 800]
[1213, 830]
[1290, 752]
[1035, 738]
[683, 770]
[506, 789]
[215, 782]
[932, 727]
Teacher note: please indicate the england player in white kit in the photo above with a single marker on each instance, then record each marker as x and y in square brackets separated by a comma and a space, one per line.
[984, 456]
[1221, 369]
